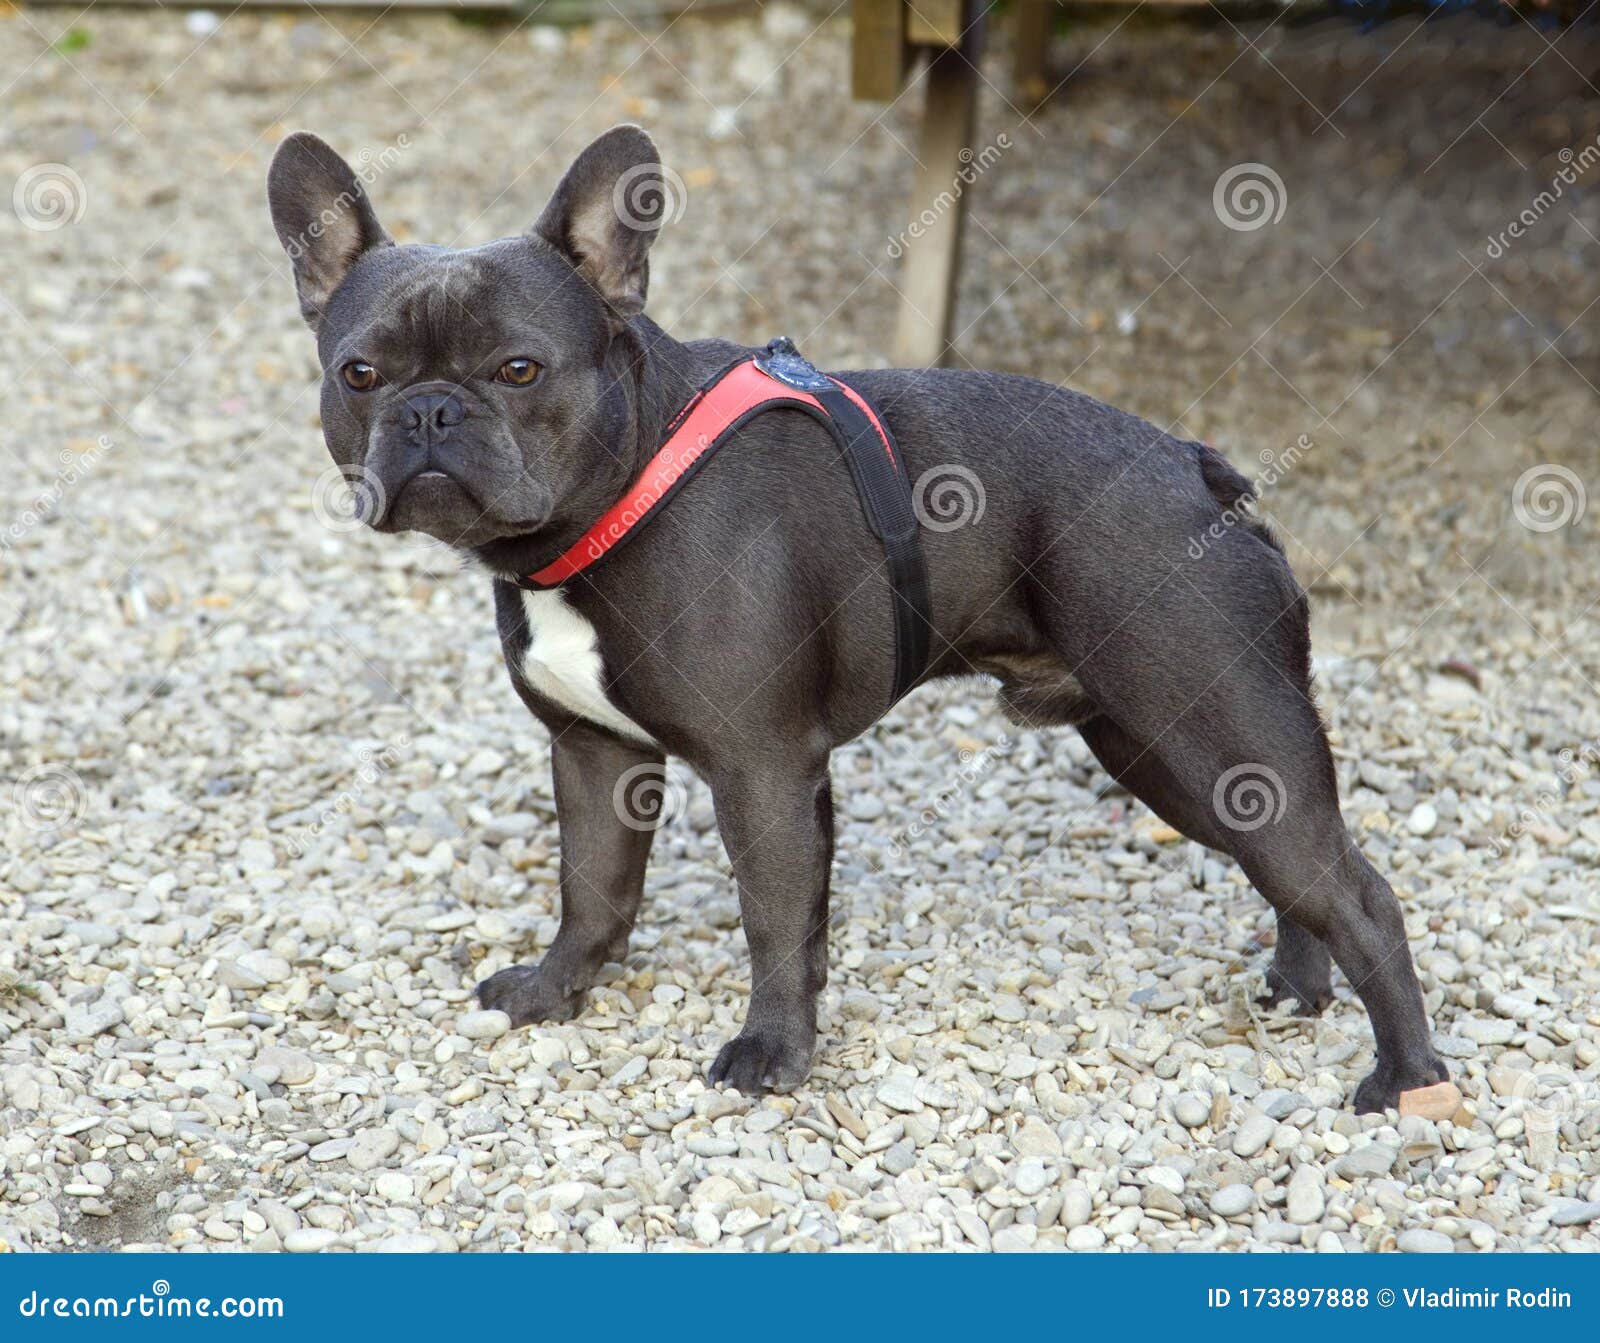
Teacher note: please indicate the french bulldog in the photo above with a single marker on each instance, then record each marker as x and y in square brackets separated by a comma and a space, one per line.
[502, 397]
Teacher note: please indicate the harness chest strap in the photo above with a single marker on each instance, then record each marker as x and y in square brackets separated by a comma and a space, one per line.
[780, 378]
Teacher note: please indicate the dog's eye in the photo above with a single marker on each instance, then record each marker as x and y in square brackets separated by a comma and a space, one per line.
[359, 377]
[518, 372]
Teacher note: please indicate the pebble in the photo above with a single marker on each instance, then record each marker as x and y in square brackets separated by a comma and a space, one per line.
[1420, 1240]
[490, 1025]
[371, 1147]
[1077, 1205]
[1366, 1162]
[1306, 1200]
[1253, 1134]
[1192, 1111]
[309, 1240]
[899, 1092]
[292, 1066]
[1032, 1178]
[1439, 1101]
[1036, 1138]
[1423, 819]
[1233, 1200]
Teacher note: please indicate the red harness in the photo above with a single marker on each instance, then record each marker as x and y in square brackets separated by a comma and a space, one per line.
[779, 377]
[711, 416]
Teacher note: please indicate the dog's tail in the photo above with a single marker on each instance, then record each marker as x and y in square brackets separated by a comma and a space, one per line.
[1233, 491]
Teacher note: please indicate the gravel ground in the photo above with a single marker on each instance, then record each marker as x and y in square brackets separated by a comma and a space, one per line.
[271, 808]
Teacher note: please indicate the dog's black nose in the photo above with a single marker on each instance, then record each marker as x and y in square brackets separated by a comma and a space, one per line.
[432, 412]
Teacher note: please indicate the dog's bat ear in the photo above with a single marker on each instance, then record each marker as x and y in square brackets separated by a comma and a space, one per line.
[606, 213]
[323, 219]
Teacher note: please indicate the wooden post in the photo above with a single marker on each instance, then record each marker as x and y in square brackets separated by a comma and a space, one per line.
[938, 206]
[1031, 56]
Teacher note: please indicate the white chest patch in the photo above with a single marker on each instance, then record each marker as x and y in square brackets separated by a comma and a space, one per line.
[562, 663]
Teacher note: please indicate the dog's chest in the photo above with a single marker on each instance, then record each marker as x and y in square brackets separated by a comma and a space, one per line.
[562, 662]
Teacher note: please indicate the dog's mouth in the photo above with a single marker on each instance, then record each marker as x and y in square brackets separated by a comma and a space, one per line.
[449, 509]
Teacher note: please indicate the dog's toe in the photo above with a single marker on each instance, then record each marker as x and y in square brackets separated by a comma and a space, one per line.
[756, 1062]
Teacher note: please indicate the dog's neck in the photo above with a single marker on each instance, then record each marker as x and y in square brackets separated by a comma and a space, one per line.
[649, 378]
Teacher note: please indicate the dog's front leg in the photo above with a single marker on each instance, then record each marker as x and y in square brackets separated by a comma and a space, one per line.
[608, 804]
[777, 826]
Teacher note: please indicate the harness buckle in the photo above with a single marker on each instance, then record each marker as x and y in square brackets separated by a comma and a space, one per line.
[782, 362]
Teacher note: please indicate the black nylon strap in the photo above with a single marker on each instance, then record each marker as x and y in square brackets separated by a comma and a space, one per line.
[885, 489]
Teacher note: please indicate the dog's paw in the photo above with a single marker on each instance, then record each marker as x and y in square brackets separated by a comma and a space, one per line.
[1380, 1089]
[526, 995]
[756, 1062]
[1311, 1003]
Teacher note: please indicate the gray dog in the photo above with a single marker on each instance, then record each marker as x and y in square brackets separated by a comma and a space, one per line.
[503, 398]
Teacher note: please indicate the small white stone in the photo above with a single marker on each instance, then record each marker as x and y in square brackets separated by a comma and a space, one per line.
[486, 1025]
[1085, 1238]
[309, 1240]
[1233, 1200]
[1420, 1240]
[393, 1187]
[1306, 1200]
[1424, 817]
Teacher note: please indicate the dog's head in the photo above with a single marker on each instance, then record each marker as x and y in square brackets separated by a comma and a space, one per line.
[465, 393]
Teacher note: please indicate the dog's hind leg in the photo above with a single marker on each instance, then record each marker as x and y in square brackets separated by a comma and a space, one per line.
[1302, 966]
[1206, 663]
